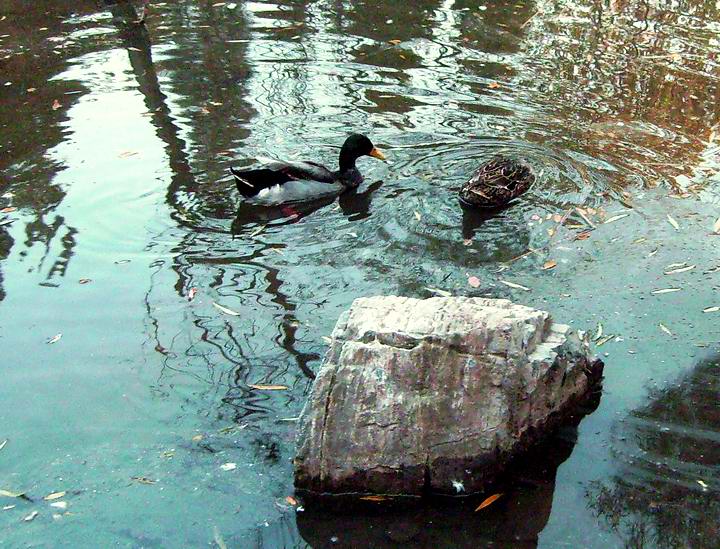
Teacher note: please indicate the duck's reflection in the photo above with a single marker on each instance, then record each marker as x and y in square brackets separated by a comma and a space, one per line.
[515, 520]
[251, 218]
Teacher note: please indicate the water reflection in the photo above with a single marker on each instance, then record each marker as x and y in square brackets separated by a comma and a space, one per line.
[664, 494]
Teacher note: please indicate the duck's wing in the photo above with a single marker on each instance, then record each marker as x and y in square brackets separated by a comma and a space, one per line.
[251, 181]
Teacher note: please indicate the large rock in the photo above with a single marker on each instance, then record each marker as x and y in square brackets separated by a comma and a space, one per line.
[436, 395]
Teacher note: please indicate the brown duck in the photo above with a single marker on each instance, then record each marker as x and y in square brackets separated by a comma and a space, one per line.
[496, 183]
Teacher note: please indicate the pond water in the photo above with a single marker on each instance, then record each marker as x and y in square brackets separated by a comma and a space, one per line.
[122, 232]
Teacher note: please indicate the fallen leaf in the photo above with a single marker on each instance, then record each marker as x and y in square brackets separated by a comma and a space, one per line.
[3, 443]
[8, 507]
[60, 505]
[474, 281]
[127, 154]
[665, 291]
[374, 498]
[54, 339]
[711, 310]
[228, 466]
[665, 329]
[291, 500]
[680, 270]
[441, 293]
[417, 216]
[191, 294]
[493, 85]
[489, 501]
[549, 265]
[703, 484]
[9, 494]
[143, 480]
[599, 332]
[604, 340]
[467, 242]
[616, 218]
[226, 310]
[583, 235]
[56, 105]
[197, 438]
[673, 222]
[31, 90]
[54, 495]
[716, 227]
[327, 339]
[31, 516]
[516, 286]
[8, 210]
[85, 281]
[557, 218]
[122, 261]
[268, 387]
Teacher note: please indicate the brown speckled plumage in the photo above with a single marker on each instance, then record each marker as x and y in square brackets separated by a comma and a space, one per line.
[496, 183]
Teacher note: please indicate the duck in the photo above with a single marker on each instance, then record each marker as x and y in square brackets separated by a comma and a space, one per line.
[496, 183]
[277, 181]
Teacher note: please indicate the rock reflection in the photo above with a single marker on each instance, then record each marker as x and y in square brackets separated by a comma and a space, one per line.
[665, 494]
[514, 521]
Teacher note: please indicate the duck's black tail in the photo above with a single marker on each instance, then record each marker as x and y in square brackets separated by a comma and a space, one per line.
[251, 182]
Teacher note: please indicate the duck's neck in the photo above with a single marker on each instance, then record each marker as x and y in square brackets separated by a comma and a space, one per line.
[347, 161]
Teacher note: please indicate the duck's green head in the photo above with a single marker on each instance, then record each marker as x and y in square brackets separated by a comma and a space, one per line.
[355, 146]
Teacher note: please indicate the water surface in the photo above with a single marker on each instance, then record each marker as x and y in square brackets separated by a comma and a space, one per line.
[116, 144]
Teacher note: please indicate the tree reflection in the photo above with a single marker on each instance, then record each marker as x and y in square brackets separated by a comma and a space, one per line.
[665, 494]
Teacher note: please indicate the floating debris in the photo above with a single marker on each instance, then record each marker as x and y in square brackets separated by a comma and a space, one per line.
[489, 501]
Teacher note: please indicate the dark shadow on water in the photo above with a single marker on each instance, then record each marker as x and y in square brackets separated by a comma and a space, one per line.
[513, 521]
[474, 218]
[668, 451]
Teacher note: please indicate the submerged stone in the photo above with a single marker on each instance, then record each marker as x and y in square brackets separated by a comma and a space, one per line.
[436, 396]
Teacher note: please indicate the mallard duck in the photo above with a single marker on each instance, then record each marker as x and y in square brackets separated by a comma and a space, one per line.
[277, 181]
[496, 183]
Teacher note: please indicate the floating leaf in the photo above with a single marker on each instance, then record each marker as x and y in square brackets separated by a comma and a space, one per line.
[226, 310]
[54, 339]
[84, 281]
[442, 293]
[291, 500]
[9, 494]
[665, 329]
[8, 507]
[489, 501]
[516, 286]
[604, 340]
[54, 495]
[197, 438]
[583, 235]
[680, 270]
[493, 85]
[143, 480]
[703, 484]
[549, 265]
[127, 154]
[599, 332]
[8, 210]
[327, 339]
[672, 222]
[60, 505]
[3, 443]
[228, 466]
[395, 42]
[417, 216]
[31, 516]
[269, 387]
[716, 227]
[616, 218]
[711, 310]
[474, 281]
[56, 105]
[374, 498]
[666, 291]
[467, 242]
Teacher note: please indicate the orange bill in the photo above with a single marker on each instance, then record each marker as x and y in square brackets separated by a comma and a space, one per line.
[377, 154]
